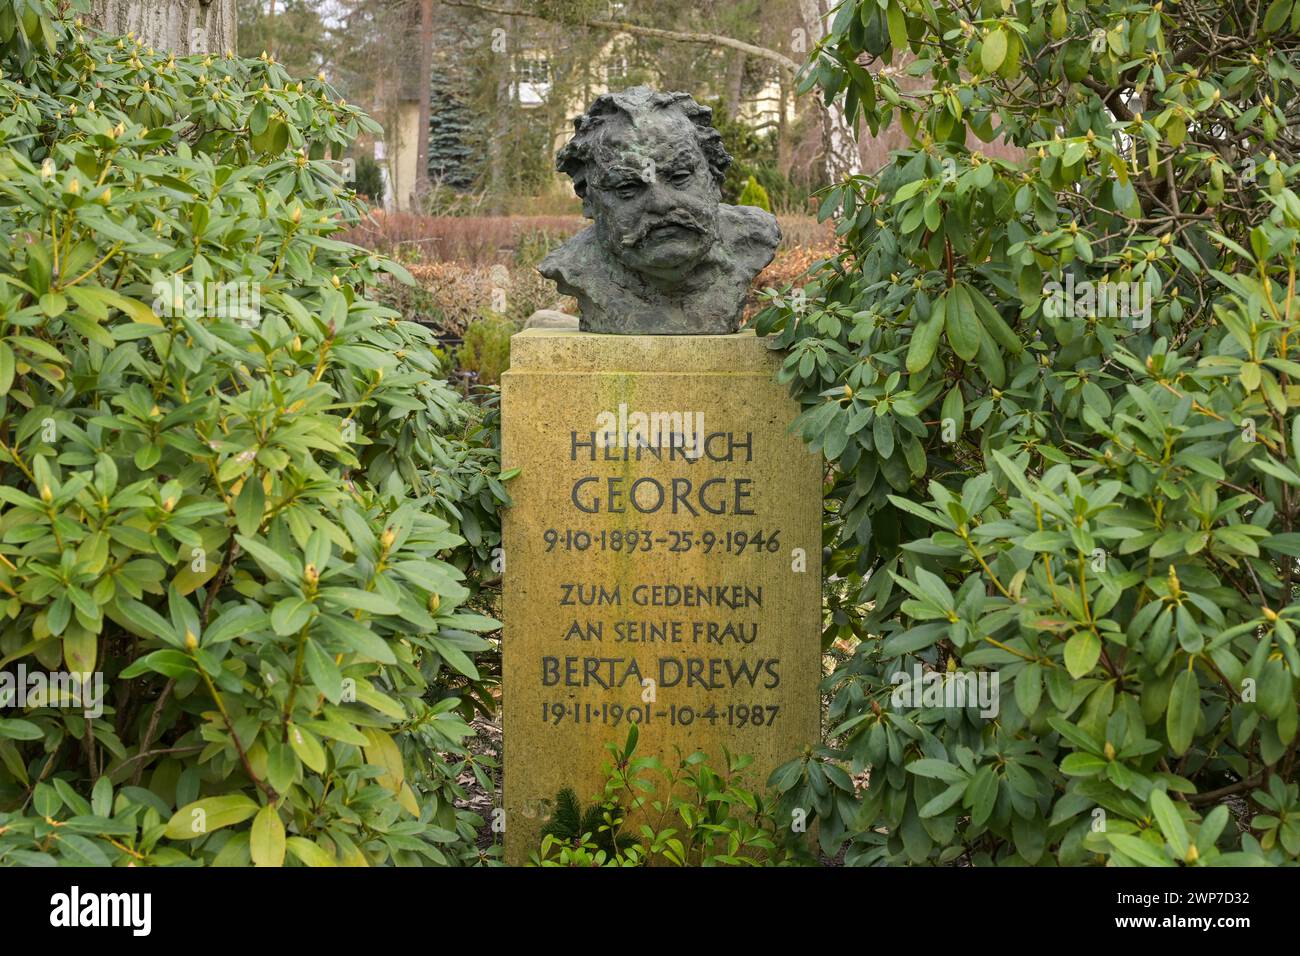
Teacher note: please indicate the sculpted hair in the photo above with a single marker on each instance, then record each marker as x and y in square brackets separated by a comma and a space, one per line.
[576, 156]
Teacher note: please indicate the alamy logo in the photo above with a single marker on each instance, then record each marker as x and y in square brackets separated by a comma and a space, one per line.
[624, 429]
[240, 300]
[1107, 300]
[924, 688]
[74, 908]
[83, 691]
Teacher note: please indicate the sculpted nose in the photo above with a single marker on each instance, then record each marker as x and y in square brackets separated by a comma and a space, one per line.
[659, 197]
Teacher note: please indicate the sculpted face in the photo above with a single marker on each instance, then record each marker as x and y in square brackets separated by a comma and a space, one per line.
[651, 195]
[663, 255]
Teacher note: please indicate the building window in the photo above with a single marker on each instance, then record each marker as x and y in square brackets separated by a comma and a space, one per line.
[535, 70]
[616, 69]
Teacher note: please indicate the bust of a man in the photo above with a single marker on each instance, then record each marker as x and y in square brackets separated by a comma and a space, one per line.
[663, 256]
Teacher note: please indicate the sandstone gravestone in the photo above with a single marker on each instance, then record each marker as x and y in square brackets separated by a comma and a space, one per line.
[675, 587]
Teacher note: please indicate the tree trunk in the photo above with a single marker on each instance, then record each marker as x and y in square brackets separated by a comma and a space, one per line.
[735, 78]
[502, 111]
[180, 26]
[424, 90]
[784, 154]
[839, 142]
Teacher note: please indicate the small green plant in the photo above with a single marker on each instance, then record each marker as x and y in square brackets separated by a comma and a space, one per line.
[485, 349]
[572, 826]
[754, 195]
[370, 180]
[705, 817]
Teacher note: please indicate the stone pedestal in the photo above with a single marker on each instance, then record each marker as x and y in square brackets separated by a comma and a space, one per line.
[663, 570]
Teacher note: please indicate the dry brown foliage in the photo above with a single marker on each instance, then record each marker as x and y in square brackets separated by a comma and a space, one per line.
[466, 267]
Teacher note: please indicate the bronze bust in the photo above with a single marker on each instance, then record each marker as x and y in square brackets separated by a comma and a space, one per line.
[663, 256]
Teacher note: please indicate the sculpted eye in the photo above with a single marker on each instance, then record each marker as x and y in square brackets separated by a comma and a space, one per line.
[681, 177]
[628, 190]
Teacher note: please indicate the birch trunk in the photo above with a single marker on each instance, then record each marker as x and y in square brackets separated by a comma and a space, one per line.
[839, 142]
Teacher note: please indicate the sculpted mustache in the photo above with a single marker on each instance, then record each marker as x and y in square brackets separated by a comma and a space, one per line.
[683, 219]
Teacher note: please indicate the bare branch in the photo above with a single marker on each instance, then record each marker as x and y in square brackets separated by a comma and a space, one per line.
[618, 26]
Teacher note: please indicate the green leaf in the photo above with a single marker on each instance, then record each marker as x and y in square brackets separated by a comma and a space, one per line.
[168, 662]
[1170, 823]
[282, 766]
[205, 816]
[355, 598]
[268, 558]
[1276, 15]
[962, 324]
[1211, 827]
[925, 338]
[437, 577]
[101, 797]
[1014, 474]
[358, 637]
[138, 311]
[149, 621]
[1184, 711]
[307, 747]
[1079, 764]
[1138, 850]
[309, 853]
[233, 622]
[290, 615]
[882, 435]
[266, 842]
[1276, 470]
[937, 805]
[897, 23]
[982, 794]
[458, 659]
[7, 366]
[16, 729]
[994, 50]
[324, 672]
[1082, 652]
[953, 410]
[1075, 735]
[1287, 544]
[939, 769]
[250, 505]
